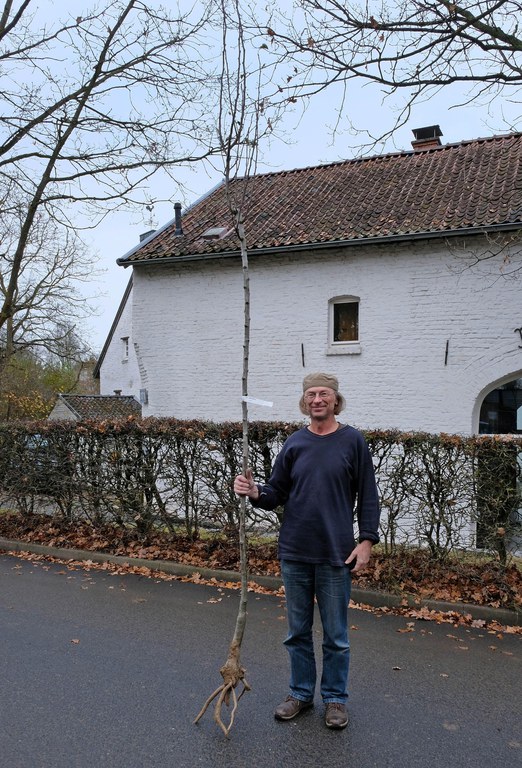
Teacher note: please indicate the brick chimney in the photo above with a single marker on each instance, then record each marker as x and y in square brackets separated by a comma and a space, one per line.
[426, 138]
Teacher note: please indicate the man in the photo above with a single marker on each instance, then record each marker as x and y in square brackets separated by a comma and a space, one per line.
[323, 473]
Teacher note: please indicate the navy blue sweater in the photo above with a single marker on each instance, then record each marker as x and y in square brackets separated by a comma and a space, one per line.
[321, 480]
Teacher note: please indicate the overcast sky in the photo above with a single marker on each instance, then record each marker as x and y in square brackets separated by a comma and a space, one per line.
[311, 143]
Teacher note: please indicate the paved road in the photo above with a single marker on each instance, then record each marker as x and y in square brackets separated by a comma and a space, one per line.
[109, 671]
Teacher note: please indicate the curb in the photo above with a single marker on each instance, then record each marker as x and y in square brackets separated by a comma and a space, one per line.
[366, 597]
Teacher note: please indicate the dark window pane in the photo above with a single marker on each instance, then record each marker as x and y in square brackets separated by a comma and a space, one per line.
[346, 321]
[501, 411]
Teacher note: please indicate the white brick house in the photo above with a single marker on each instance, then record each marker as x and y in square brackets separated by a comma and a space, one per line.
[117, 366]
[371, 269]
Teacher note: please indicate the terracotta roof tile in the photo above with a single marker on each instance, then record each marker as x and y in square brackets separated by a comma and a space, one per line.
[99, 407]
[455, 186]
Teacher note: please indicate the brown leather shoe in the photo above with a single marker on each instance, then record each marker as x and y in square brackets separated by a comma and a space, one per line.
[290, 708]
[336, 715]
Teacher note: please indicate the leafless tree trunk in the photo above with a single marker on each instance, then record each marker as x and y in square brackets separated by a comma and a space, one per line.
[239, 131]
[232, 671]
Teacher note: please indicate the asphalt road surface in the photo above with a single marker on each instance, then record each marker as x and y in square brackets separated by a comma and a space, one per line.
[110, 670]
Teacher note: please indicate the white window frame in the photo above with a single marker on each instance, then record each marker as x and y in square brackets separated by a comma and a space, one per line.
[343, 347]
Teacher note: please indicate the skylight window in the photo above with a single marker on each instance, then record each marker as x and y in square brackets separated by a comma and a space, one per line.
[215, 233]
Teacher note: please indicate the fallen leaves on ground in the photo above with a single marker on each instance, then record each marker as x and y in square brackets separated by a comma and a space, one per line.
[440, 617]
[409, 572]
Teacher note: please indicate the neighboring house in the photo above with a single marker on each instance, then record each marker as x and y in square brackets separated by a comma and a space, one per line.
[97, 407]
[399, 273]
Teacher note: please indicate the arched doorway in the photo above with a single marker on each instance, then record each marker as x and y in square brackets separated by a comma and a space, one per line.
[501, 410]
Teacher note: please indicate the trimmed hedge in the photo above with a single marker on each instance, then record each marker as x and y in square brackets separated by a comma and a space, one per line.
[443, 492]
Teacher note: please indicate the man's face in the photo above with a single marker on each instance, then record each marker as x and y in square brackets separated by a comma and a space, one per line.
[320, 402]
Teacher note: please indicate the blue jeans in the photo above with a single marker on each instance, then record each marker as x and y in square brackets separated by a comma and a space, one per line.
[331, 586]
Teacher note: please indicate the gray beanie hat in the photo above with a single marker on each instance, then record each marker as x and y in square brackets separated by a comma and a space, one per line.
[320, 379]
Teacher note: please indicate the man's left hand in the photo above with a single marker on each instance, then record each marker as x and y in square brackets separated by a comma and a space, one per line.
[361, 556]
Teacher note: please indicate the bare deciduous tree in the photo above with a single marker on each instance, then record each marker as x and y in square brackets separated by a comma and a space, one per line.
[412, 46]
[46, 303]
[90, 109]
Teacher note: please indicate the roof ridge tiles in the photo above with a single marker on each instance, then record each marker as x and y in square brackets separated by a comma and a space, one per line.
[385, 156]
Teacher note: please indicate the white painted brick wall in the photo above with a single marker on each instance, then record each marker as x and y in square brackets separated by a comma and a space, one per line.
[118, 372]
[187, 326]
